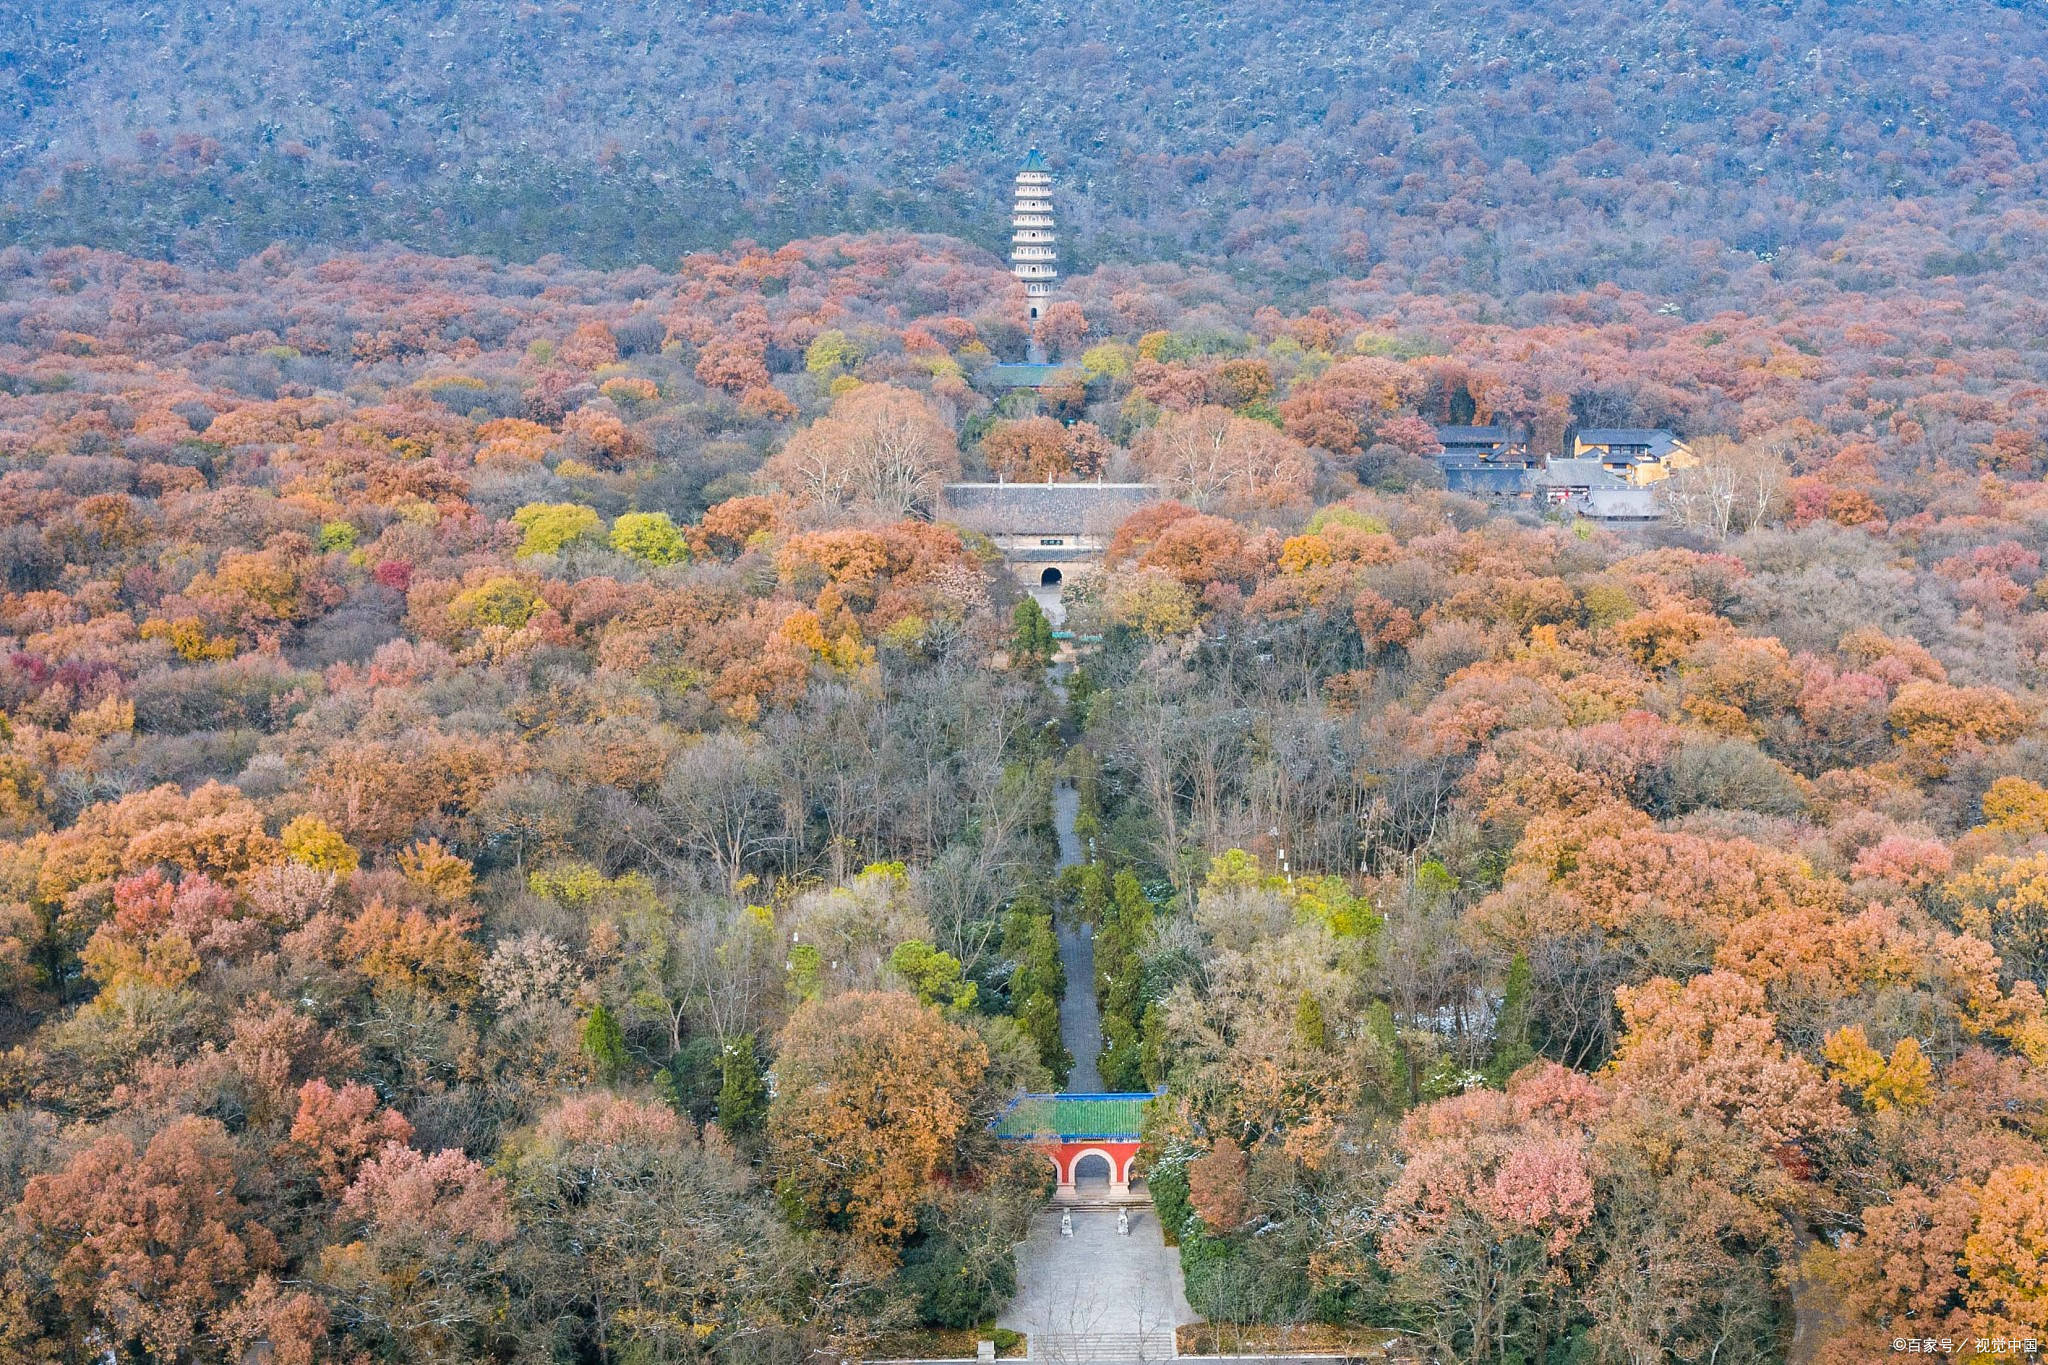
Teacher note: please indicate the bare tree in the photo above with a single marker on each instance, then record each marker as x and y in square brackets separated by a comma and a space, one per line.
[1735, 487]
[716, 805]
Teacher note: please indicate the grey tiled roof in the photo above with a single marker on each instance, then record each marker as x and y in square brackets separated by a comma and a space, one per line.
[1486, 478]
[1623, 504]
[1469, 458]
[1586, 473]
[1047, 508]
[1656, 439]
[1473, 435]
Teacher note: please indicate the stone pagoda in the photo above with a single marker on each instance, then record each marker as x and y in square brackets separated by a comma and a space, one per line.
[1034, 250]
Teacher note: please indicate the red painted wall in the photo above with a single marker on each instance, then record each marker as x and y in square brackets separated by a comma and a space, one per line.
[1120, 1154]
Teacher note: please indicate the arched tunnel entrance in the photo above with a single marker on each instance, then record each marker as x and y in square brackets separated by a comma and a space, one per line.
[1050, 578]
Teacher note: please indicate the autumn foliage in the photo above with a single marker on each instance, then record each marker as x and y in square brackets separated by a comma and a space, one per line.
[526, 826]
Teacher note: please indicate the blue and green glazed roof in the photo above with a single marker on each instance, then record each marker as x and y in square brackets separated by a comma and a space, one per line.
[1107, 1118]
[1033, 162]
[1026, 376]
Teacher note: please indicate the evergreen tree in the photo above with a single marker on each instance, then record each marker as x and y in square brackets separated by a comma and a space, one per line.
[605, 1043]
[1088, 809]
[1309, 1025]
[1037, 979]
[933, 976]
[742, 1094]
[1395, 1072]
[1133, 910]
[1152, 1047]
[1031, 642]
[1122, 1062]
[1120, 980]
[1513, 1048]
[1094, 892]
[1033, 950]
[1039, 1017]
[1082, 688]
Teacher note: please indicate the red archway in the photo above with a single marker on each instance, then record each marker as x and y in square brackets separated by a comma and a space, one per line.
[1071, 1128]
[1066, 1160]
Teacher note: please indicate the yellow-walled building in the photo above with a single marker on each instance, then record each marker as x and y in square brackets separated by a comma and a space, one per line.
[1639, 454]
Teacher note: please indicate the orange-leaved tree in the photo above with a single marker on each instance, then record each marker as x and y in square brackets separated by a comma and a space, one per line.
[872, 1092]
[151, 1245]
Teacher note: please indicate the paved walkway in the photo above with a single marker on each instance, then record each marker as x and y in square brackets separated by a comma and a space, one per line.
[1066, 808]
[1080, 1021]
[1097, 1296]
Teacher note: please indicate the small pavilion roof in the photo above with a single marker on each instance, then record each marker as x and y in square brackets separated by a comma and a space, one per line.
[1026, 376]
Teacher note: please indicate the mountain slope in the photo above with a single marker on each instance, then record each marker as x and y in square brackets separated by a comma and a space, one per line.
[1501, 144]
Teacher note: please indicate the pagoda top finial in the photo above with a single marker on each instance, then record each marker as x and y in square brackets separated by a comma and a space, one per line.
[1033, 161]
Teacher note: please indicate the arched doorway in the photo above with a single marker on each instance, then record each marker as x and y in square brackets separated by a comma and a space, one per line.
[1049, 579]
[1092, 1173]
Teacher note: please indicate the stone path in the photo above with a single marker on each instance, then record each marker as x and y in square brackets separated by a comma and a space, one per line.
[1097, 1296]
[1080, 1021]
[1066, 808]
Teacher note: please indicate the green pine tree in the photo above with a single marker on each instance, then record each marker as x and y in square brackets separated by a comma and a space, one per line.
[1081, 692]
[1309, 1026]
[1088, 811]
[1031, 642]
[806, 972]
[1030, 944]
[1153, 1046]
[742, 1093]
[933, 976]
[1514, 1024]
[605, 1043]
[1039, 1017]
[1133, 910]
[1394, 1074]
[1094, 893]
[1122, 1062]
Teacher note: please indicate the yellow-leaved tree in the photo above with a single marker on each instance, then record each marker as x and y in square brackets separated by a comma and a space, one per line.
[872, 1091]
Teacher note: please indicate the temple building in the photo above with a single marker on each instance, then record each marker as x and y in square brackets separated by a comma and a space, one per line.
[1046, 532]
[1490, 461]
[1637, 455]
[1034, 250]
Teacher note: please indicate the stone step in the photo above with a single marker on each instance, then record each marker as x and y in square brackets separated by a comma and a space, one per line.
[1083, 1348]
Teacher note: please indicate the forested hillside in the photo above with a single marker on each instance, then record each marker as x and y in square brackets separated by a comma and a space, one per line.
[1502, 145]
[524, 837]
